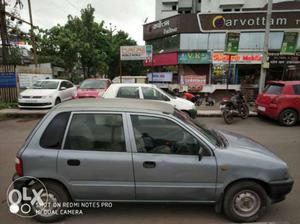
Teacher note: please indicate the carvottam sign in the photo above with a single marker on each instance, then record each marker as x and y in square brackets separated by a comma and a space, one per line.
[248, 21]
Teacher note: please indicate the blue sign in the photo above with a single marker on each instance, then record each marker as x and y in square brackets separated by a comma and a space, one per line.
[8, 80]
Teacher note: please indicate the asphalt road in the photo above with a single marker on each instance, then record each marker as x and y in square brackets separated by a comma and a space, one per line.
[285, 142]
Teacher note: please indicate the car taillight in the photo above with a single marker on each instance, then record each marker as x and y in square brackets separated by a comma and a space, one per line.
[225, 99]
[19, 166]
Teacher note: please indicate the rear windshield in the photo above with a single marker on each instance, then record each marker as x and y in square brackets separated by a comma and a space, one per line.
[274, 89]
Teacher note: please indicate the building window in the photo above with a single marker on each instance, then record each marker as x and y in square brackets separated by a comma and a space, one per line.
[227, 10]
[174, 7]
[237, 10]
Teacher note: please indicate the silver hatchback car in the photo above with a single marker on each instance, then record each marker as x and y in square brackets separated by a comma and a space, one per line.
[123, 150]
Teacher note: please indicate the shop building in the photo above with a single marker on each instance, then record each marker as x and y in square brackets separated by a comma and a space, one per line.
[192, 47]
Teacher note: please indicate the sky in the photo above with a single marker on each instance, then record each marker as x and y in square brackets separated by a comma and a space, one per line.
[128, 16]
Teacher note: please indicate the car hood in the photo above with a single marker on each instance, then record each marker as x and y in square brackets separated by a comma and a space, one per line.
[38, 92]
[242, 143]
[185, 104]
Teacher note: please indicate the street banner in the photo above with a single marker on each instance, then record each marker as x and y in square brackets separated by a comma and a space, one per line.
[135, 53]
[289, 43]
[27, 80]
[194, 82]
[160, 77]
[8, 80]
[232, 43]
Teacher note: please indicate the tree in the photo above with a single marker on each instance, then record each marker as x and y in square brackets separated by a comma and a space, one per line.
[83, 40]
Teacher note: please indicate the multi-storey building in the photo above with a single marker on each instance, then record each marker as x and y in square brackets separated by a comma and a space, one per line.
[188, 40]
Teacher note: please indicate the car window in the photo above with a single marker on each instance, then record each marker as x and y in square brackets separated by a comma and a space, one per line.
[69, 85]
[162, 136]
[63, 84]
[297, 89]
[150, 93]
[274, 89]
[128, 92]
[96, 132]
[53, 134]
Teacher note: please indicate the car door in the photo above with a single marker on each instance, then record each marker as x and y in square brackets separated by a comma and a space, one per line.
[166, 160]
[71, 90]
[63, 91]
[95, 160]
[297, 97]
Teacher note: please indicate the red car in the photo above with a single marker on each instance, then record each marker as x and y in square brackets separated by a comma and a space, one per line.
[93, 88]
[281, 101]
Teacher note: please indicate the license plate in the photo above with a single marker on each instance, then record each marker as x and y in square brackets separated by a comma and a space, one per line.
[32, 101]
[260, 108]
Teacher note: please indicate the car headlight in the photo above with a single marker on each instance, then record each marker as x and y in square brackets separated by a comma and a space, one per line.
[46, 97]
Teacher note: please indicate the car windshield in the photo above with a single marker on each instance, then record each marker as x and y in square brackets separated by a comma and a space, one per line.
[93, 84]
[209, 134]
[169, 95]
[45, 85]
[275, 89]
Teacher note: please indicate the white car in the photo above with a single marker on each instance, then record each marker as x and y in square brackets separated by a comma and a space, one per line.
[47, 93]
[149, 92]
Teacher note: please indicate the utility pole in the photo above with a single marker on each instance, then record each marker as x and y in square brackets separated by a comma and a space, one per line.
[32, 34]
[263, 70]
[3, 32]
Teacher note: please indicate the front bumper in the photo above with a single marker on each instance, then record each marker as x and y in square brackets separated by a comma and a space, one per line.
[279, 189]
[36, 103]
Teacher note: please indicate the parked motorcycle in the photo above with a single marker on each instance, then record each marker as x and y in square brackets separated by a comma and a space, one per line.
[234, 107]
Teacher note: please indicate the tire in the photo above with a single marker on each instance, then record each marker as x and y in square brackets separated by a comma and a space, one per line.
[288, 117]
[245, 113]
[57, 101]
[254, 196]
[60, 194]
[228, 117]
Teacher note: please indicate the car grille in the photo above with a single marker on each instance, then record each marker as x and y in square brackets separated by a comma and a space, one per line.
[31, 97]
[34, 104]
[26, 97]
[36, 97]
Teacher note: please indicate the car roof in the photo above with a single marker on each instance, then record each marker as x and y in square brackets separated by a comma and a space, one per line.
[57, 80]
[97, 79]
[296, 82]
[132, 105]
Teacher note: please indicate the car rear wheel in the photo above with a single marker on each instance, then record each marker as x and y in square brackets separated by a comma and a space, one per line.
[288, 117]
[56, 197]
[245, 202]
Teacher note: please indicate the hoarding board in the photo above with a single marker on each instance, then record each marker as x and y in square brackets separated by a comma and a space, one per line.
[132, 53]
[160, 77]
[289, 43]
[8, 80]
[27, 80]
[232, 43]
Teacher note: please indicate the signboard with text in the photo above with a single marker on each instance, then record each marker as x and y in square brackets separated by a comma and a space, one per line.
[194, 82]
[289, 43]
[132, 53]
[232, 43]
[27, 80]
[240, 58]
[194, 58]
[248, 21]
[8, 80]
[160, 77]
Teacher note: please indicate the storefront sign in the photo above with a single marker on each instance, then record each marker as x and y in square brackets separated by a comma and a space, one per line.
[194, 82]
[194, 58]
[160, 77]
[163, 59]
[241, 58]
[130, 53]
[27, 80]
[289, 43]
[232, 43]
[278, 59]
[8, 80]
[248, 21]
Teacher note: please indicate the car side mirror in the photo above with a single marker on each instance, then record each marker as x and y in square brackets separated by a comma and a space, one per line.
[62, 88]
[200, 153]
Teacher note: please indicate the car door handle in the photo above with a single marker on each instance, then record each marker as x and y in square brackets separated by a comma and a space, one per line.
[149, 164]
[73, 162]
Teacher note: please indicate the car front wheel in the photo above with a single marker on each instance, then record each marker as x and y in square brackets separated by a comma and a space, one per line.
[245, 202]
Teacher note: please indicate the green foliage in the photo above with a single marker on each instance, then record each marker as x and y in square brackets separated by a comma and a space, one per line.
[84, 43]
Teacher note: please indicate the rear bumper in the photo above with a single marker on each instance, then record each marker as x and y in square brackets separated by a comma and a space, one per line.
[279, 189]
[271, 110]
